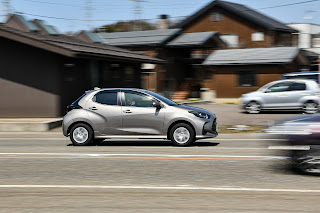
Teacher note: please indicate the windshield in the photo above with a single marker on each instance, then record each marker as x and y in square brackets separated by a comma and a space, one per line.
[161, 98]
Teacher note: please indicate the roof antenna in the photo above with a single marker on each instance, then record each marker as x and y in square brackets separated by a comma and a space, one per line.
[89, 9]
[137, 12]
[6, 8]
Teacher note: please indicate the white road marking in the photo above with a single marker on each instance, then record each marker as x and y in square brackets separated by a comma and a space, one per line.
[200, 147]
[139, 155]
[165, 188]
[289, 147]
[35, 139]
[211, 140]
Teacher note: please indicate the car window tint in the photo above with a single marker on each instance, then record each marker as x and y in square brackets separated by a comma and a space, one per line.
[280, 87]
[108, 98]
[138, 100]
[297, 86]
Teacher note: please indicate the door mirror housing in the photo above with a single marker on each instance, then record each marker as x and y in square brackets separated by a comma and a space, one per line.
[156, 104]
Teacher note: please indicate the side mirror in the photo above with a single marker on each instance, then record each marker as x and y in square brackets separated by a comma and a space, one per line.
[156, 104]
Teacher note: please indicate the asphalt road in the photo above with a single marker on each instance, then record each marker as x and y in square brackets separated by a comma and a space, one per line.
[232, 173]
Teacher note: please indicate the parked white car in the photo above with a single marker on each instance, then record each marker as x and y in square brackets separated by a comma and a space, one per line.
[283, 95]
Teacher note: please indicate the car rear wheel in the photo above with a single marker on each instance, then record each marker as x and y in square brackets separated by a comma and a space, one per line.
[310, 108]
[253, 107]
[182, 134]
[81, 135]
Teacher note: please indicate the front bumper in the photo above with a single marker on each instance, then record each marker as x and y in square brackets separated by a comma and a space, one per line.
[211, 127]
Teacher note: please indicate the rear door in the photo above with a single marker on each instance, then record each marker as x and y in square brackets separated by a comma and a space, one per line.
[139, 117]
[297, 90]
[106, 104]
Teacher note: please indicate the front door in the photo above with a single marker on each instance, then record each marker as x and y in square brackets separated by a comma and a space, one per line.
[276, 96]
[139, 116]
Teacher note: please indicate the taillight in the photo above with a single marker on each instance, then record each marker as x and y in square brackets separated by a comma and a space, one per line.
[69, 108]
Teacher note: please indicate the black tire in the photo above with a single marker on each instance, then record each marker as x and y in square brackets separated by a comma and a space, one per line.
[81, 135]
[310, 107]
[187, 134]
[253, 107]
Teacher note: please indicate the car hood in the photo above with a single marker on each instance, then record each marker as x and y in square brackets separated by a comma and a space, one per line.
[191, 108]
[251, 93]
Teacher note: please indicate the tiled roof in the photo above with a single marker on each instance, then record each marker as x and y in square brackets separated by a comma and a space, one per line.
[191, 39]
[243, 11]
[73, 47]
[140, 38]
[271, 55]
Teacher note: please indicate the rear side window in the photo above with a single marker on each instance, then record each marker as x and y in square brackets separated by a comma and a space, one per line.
[108, 98]
[297, 86]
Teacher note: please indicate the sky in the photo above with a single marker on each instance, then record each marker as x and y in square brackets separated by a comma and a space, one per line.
[77, 15]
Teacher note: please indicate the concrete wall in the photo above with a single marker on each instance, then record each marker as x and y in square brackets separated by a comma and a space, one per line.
[29, 81]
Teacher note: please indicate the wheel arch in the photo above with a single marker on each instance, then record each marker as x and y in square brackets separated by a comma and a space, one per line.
[177, 122]
[78, 122]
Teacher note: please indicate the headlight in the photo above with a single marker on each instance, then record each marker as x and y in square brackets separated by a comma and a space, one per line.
[200, 114]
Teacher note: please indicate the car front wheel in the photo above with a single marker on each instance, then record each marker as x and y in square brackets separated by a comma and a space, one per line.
[182, 134]
[310, 108]
[81, 135]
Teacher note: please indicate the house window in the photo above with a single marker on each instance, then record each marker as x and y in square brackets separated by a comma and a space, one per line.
[216, 16]
[246, 79]
[257, 36]
[316, 42]
[232, 40]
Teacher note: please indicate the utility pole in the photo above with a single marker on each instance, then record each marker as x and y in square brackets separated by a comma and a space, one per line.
[6, 8]
[89, 9]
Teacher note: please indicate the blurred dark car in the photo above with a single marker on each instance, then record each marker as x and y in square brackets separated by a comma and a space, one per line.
[302, 133]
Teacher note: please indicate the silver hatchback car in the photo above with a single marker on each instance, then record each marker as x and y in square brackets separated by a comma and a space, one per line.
[283, 95]
[135, 114]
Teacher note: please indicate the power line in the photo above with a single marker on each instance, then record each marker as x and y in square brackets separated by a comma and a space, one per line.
[285, 5]
[74, 19]
[100, 20]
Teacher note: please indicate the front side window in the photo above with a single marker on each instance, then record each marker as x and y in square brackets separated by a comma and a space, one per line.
[246, 79]
[106, 97]
[138, 100]
[279, 87]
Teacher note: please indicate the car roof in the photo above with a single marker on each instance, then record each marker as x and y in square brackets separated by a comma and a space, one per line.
[301, 73]
[103, 89]
[295, 80]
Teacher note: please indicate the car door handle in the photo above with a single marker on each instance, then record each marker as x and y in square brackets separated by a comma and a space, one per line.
[93, 108]
[127, 111]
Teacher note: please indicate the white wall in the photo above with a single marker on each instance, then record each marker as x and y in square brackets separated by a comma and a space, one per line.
[305, 33]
